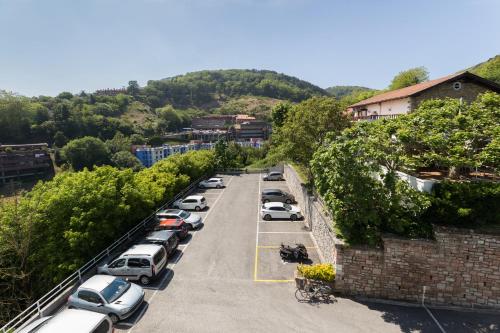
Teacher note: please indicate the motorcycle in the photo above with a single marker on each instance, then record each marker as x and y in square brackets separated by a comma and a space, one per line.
[297, 253]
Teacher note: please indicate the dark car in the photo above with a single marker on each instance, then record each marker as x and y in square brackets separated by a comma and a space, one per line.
[179, 226]
[167, 238]
[275, 195]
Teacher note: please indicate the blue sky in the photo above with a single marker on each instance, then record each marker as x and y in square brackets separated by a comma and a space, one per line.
[51, 46]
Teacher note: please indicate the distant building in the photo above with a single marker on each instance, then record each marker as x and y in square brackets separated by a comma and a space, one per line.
[213, 122]
[252, 129]
[394, 103]
[241, 118]
[110, 92]
[26, 160]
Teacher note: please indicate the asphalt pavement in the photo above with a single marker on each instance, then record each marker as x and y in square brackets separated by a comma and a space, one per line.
[228, 277]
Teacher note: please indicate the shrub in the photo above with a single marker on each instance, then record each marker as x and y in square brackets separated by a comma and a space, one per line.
[464, 204]
[321, 272]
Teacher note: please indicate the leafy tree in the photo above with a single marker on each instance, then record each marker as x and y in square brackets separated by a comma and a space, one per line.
[15, 119]
[279, 113]
[86, 152]
[118, 143]
[133, 88]
[65, 95]
[306, 127]
[126, 160]
[222, 158]
[60, 139]
[137, 139]
[409, 77]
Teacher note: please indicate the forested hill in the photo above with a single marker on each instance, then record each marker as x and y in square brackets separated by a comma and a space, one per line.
[201, 89]
[489, 69]
[341, 91]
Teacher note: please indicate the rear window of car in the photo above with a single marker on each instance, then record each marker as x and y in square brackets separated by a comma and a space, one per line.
[159, 256]
[102, 328]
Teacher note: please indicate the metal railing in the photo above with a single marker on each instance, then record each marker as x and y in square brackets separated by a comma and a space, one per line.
[34, 311]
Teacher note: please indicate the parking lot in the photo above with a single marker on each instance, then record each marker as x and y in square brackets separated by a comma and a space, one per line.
[228, 277]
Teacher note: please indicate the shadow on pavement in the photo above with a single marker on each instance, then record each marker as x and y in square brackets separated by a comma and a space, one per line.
[162, 282]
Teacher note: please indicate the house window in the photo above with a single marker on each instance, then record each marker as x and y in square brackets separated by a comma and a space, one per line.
[457, 85]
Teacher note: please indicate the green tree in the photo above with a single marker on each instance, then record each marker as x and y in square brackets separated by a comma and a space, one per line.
[126, 160]
[118, 143]
[279, 113]
[133, 88]
[306, 127]
[60, 139]
[409, 77]
[86, 152]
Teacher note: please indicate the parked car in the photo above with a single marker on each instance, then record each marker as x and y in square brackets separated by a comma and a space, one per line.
[71, 320]
[211, 183]
[177, 225]
[110, 295]
[142, 262]
[166, 238]
[275, 195]
[273, 175]
[279, 210]
[193, 221]
[192, 202]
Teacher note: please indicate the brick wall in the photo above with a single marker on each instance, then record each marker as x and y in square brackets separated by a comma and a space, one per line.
[460, 267]
[468, 92]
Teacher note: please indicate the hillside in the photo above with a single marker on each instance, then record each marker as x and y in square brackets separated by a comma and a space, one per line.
[341, 91]
[489, 69]
[206, 89]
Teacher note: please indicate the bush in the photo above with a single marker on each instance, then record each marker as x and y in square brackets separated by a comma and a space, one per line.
[464, 204]
[320, 272]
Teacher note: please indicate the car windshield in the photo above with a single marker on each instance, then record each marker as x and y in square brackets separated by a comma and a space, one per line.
[114, 290]
[287, 207]
[185, 214]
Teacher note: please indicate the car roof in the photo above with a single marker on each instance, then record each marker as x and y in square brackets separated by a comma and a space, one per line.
[215, 178]
[160, 234]
[169, 212]
[171, 222]
[268, 190]
[142, 249]
[194, 197]
[80, 321]
[274, 204]
[97, 282]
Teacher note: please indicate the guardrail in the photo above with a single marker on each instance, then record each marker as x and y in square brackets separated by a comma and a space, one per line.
[34, 311]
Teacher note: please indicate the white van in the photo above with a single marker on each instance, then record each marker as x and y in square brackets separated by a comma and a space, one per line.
[141, 262]
[69, 320]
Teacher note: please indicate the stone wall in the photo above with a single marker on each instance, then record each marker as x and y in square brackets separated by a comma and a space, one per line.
[460, 267]
[316, 218]
[468, 92]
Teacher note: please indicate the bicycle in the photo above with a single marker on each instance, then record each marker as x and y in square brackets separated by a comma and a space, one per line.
[315, 292]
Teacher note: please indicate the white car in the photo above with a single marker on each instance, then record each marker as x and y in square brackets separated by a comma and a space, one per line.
[211, 183]
[192, 220]
[279, 210]
[193, 202]
[75, 321]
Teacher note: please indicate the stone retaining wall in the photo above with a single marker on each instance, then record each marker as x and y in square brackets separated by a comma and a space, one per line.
[460, 267]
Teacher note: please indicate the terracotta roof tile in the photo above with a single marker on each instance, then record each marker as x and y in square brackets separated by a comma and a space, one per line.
[405, 92]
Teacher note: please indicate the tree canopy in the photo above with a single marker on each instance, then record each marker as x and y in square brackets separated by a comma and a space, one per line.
[409, 77]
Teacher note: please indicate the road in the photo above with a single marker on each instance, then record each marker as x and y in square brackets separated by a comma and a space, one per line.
[228, 277]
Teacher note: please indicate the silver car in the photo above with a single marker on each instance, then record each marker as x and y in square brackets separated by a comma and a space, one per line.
[192, 220]
[75, 321]
[109, 295]
[273, 175]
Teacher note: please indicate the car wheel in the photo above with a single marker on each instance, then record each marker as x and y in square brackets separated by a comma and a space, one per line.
[267, 217]
[266, 200]
[293, 217]
[190, 226]
[201, 186]
[218, 186]
[144, 280]
[288, 201]
[197, 208]
[114, 318]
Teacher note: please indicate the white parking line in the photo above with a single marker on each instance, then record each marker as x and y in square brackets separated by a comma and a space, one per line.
[264, 221]
[434, 318]
[178, 258]
[257, 232]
